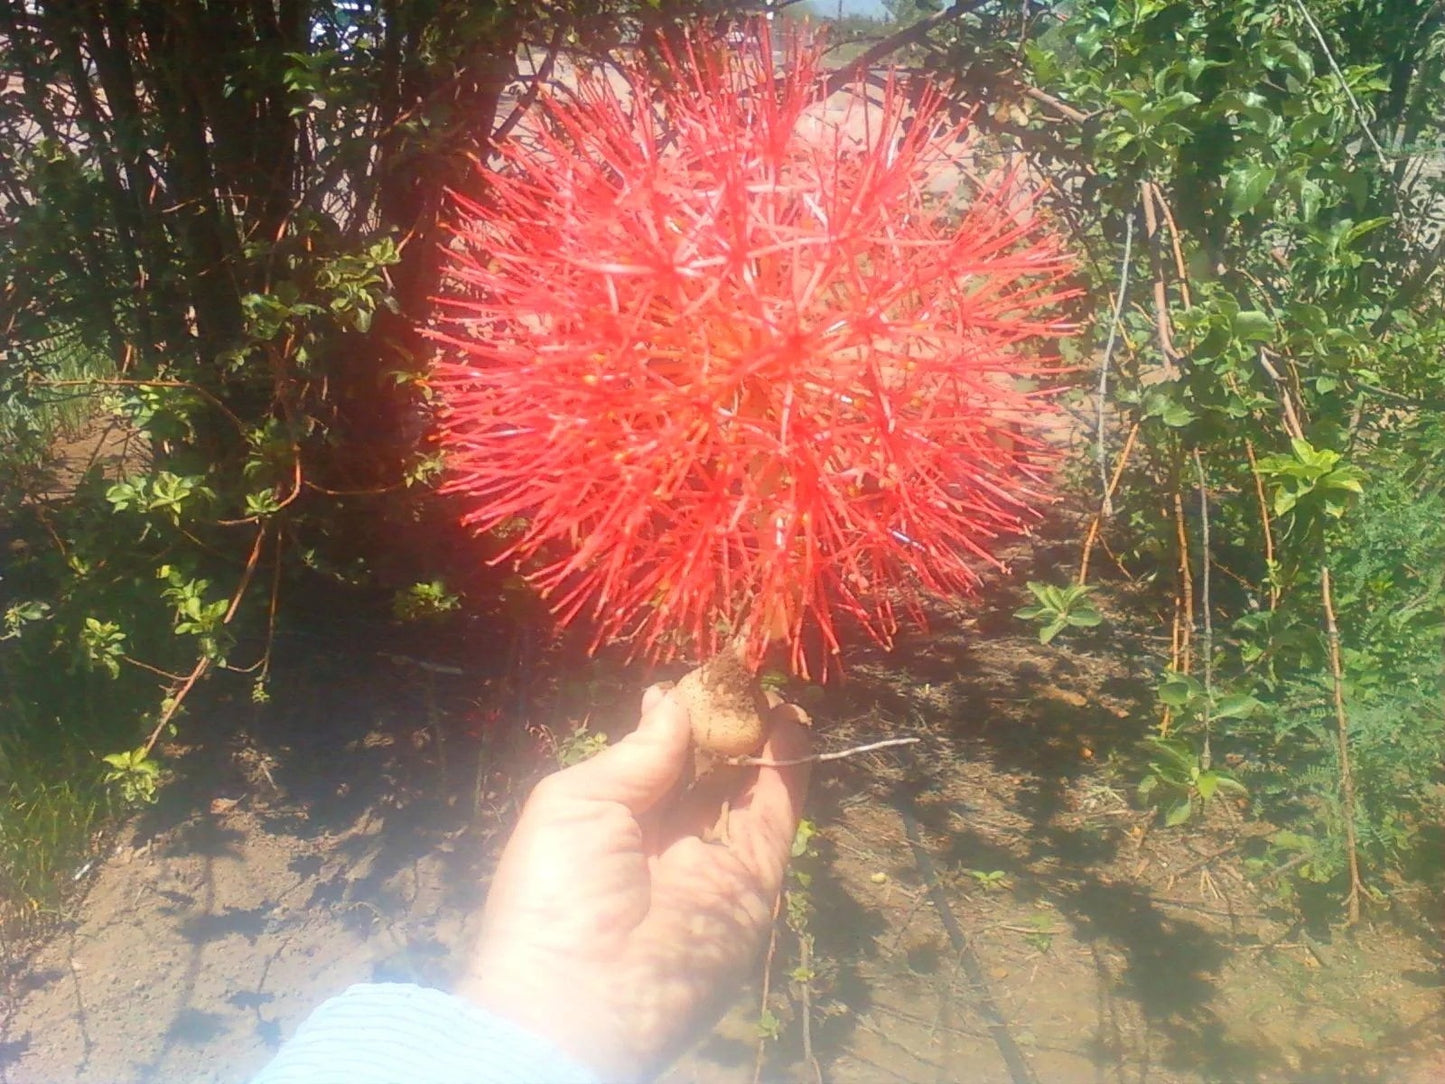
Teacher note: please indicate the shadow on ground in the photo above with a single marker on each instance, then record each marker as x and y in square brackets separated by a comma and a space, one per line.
[344, 831]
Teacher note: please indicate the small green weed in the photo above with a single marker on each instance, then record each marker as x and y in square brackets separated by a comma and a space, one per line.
[991, 880]
[134, 775]
[1060, 608]
[422, 600]
[1041, 933]
[579, 745]
[1179, 783]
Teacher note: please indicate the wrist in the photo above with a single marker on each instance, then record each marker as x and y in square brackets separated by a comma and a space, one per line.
[582, 1022]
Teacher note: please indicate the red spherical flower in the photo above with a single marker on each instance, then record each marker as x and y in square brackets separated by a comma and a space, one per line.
[732, 360]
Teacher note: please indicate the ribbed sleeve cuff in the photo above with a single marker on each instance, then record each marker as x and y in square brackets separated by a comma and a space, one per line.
[396, 1033]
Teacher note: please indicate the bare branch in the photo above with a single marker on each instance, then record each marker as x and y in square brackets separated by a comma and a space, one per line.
[539, 79]
[849, 73]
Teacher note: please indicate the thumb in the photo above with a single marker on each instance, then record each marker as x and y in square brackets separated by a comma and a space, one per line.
[642, 768]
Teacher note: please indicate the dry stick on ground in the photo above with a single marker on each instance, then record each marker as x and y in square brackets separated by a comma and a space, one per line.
[1018, 1067]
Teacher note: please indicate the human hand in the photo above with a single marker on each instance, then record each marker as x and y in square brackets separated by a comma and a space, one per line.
[611, 927]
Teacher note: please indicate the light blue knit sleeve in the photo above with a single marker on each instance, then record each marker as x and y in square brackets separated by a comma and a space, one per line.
[394, 1033]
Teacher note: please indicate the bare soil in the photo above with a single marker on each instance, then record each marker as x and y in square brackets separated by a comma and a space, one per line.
[988, 905]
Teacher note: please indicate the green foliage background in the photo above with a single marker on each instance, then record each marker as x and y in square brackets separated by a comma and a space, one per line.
[220, 224]
[1261, 181]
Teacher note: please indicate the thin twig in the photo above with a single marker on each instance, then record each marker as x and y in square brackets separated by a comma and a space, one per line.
[1286, 398]
[1186, 587]
[767, 985]
[1344, 84]
[1264, 522]
[197, 672]
[1161, 291]
[204, 662]
[152, 669]
[271, 610]
[1064, 110]
[1337, 672]
[1093, 535]
[1107, 507]
[540, 78]
[1206, 756]
[818, 758]
[296, 483]
[1180, 268]
[1342, 725]
[805, 986]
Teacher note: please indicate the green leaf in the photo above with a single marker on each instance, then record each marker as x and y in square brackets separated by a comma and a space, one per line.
[1205, 784]
[1176, 415]
[1227, 784]
[1235, 706]
[1306, 453]
[803, 838]
[1052, 629]
[1178, 812]
[1173, 103]
[1179, 690]
[1147, 786]
[1349, 478]
[1311, 195]
[1246, 186]
[1171, 411]
[1359, 229]
[1251, 325]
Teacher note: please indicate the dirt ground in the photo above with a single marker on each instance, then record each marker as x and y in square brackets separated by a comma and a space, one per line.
[987, 905]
